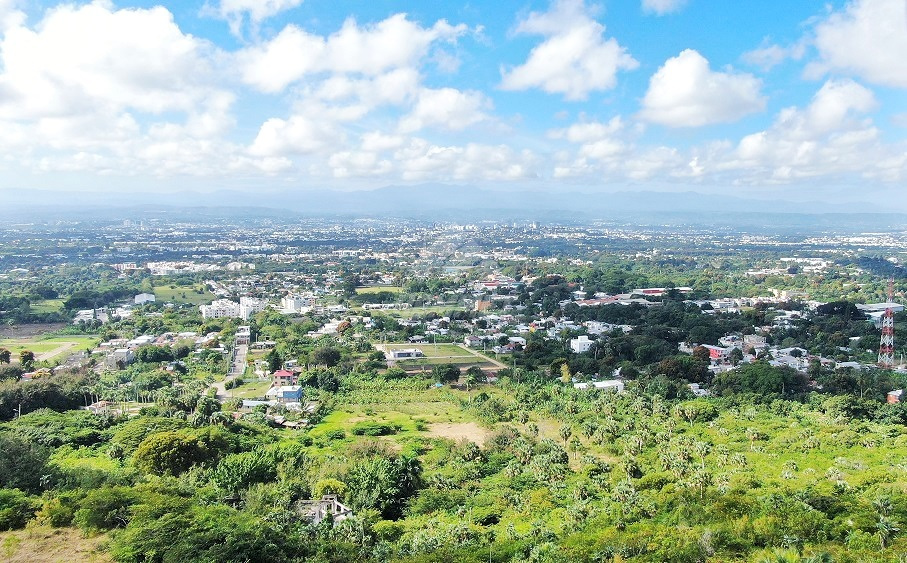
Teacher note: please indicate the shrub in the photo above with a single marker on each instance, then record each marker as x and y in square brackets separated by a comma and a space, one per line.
[16, 508]
[370, 428]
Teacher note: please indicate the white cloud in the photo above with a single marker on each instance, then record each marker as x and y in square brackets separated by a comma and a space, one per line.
[575, 59]
[769, 56]
[868, 39]
[662, 7]
[235, 11]
[371, 50]
[297, 135]
[376, 141]
[598, 141]
[422, 160]
[82, 58]
[685, 92]
[829, 136]
[94, 88]
[350, 164]
[446, 108]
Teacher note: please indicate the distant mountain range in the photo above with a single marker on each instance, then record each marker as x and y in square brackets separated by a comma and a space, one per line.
[459, 202]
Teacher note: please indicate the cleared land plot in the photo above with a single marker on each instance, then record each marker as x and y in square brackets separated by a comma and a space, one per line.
[47, 349]
[411, 419]
[430, 350]
[47, 306]
[457, 431]
[42, 544]
[252, 389]
[436, 354]
[379, 289]
[183, 294]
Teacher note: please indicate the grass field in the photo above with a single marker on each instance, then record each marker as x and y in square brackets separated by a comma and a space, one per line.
[431, 350]
[47, 306]
[43, 544]
[379, 289]
[252, 389]
[414, 418]
[47, 347]
[183, 294]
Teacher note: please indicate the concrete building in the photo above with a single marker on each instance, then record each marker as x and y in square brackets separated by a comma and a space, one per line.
[608, 385]
[220, 308]
[249, 306]
[581, 344]
[406, 354]
[119, 358]
[316, 511]
[243, 335]
[285, 393]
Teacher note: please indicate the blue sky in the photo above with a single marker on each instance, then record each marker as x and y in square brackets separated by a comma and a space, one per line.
[751, 98]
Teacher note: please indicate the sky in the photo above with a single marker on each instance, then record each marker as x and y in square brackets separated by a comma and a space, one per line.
[797, 101]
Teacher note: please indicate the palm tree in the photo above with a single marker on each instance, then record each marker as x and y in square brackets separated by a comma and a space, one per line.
[885, 530]
[565, 433]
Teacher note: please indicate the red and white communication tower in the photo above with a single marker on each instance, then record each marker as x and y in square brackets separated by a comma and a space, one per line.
[886, 348]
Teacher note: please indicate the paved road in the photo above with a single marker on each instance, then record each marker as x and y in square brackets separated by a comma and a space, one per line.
[237, 367]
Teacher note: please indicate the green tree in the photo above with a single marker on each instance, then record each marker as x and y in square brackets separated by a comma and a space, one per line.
[27, 359]
[5, 356]
[446, 373]
[169, 453]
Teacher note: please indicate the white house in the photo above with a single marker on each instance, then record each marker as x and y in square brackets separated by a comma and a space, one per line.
[608, 384]
[220, 308]
[143, 298]
[405, 354]
[581, 344]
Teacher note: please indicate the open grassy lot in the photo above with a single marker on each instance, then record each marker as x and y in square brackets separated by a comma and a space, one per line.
[183, 294]
[43, 544]
[47, 306]
[430, 350]
[252, 389]
[421, 414]
[379, 289]
[48, 348]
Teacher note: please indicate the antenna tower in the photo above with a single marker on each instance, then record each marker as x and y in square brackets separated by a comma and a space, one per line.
[886, 347]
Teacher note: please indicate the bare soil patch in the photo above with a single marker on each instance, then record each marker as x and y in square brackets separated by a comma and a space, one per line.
[29, 330]
[459, 431]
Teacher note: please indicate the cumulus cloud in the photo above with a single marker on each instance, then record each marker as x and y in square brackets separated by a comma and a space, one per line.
[769, 56]
[137, 59]
[662, 7]
[294, 136]
[868, 39]
[113, 89]
[828, 136]
[353, 164]
[685, 92]
[575, 58]
[446, 108]
[422, 160]
[395, 42]
[256, 11]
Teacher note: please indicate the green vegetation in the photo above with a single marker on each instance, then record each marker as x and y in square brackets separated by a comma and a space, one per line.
[379, 289]
[193, 295]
